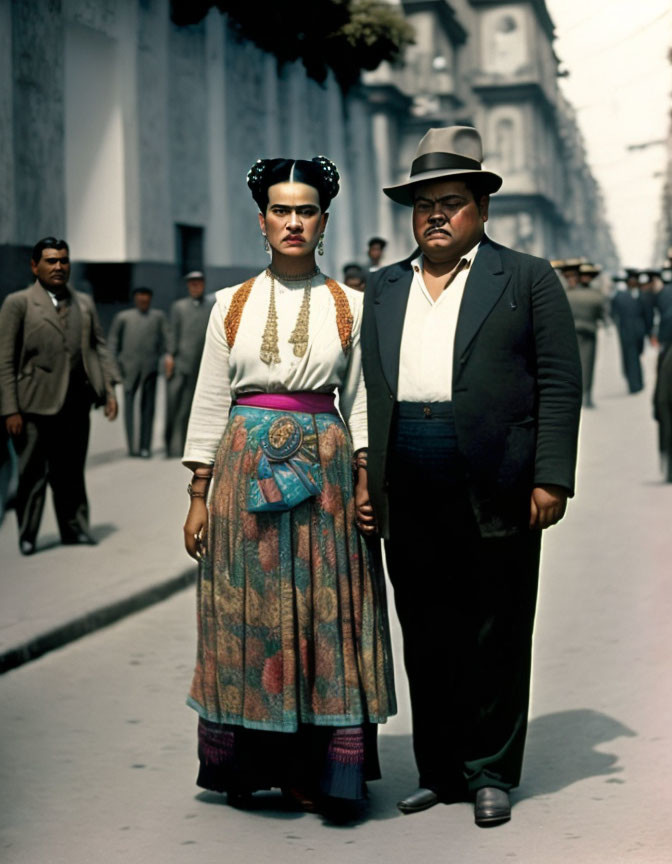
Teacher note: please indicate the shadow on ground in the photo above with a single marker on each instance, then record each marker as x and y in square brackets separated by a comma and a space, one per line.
[561, 750]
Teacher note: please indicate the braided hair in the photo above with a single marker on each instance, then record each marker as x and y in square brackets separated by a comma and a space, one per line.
[320, 173]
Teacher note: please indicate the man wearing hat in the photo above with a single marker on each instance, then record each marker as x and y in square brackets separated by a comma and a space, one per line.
[138, 339]
[633, 323]
[188, 322]
[588, 307]
[474, 394]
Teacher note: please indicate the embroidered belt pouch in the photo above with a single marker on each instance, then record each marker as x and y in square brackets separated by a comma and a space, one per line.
[288, 469]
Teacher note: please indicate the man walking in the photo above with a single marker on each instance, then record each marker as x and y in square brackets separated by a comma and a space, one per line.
[632, 318]
[54, 365]
[474, 394]
[138, 339]
[189, 318]
[588, 307]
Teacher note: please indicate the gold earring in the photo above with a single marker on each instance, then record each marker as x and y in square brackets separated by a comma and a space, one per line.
[267, 248]
[320, 244]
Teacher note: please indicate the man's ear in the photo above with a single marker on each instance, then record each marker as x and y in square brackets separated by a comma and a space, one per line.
[484, 207]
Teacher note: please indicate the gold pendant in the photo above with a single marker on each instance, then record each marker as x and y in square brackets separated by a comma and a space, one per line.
[299, 337]
[269, 352]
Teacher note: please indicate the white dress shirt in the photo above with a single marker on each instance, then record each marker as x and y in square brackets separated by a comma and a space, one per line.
[227, 372]
[428, 337]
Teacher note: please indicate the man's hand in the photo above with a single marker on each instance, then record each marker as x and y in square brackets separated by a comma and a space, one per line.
[14, 425]
[169, 366]
[111, 408]
[547, 506]
[366, 521]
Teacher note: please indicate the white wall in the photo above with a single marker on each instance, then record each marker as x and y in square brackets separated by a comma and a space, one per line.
[94, 152]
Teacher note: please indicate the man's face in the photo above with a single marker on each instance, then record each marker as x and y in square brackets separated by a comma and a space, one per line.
[355, 282]
[447, 222]
[571, 278]
[142, 300]
[196, 287]
[53, 269]
[375, 252]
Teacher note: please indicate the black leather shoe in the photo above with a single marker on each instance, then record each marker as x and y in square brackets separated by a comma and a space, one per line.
[80, 539]
[26, 547]
[492, 806]
[421, 799]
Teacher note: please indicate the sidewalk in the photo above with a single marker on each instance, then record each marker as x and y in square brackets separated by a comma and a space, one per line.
[61, 593]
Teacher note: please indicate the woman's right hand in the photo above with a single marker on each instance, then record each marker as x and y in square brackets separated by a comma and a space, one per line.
[196, 529]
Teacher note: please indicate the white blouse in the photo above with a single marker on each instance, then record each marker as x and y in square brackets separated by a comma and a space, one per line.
[226, 373]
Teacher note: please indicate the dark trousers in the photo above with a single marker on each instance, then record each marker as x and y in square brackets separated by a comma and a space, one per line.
[52, 450]
[662, 405]
[587, 349]
[466, 607]
[180, 394]
[631, 350]
[147, 387]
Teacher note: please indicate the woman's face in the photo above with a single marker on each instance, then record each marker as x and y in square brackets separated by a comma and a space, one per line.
[293, 221]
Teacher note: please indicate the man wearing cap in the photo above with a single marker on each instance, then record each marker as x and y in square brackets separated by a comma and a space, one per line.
[474, 394]
[188, 322]
[54, 365]
[633, 323]
[588, 307]
[138, 338]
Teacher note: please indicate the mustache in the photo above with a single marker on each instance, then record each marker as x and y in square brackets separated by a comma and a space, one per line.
[436, 230]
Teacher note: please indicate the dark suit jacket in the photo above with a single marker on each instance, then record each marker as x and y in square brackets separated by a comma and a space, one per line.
[138, 340]
[516, 382]
[34, 364]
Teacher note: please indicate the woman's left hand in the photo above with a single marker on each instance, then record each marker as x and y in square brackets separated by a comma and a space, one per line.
[366, 521]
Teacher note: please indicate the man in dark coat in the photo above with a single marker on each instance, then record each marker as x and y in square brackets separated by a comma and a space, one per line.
[138, 338]
[54, 365]
[474, 395]
[189, 318]
[633, 321]
[662, 398]
[588, 307]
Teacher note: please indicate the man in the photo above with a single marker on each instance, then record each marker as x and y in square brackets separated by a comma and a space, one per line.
[474, 395]
[53, 366]
[186, 337]
[662, 397]
[633, 323]
[138, 339]
[354, 277]
[588, 309]
[376, 250]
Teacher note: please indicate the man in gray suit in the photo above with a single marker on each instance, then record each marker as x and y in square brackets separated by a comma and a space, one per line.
[188, 322]
[138, 339]
[54, 365]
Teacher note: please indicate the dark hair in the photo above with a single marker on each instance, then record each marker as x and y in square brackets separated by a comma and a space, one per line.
[320, 173]
[353, 270]
[141, 289]
[478, 186]
[47, 243]
[377, 241]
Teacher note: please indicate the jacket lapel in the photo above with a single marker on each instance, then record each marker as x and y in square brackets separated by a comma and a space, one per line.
[485, 284]
[40, 297]
[390, 311]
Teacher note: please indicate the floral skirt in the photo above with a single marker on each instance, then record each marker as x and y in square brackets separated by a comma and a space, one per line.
[292, 614]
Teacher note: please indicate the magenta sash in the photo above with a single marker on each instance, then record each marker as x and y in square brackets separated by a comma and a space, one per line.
[303, 400]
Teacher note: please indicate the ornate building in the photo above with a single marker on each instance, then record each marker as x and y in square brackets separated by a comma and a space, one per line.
[491, 65]
[131, 137]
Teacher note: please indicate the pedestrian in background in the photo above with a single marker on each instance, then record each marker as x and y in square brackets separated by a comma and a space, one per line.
[589, 308]
[354, 276]
[138, 339]
[474, 394]
[186, 337]
[54, 365]
[632, 322]
[294, 662]
[662, 398]
[376, 250]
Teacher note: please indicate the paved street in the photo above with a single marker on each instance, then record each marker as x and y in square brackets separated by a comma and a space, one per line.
[99, 752]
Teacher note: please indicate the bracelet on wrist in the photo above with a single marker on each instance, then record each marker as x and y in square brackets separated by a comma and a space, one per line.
[193, 493]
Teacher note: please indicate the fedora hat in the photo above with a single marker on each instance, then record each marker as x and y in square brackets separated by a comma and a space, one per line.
[450, 152]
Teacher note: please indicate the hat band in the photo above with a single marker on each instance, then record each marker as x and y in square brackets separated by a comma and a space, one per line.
[438, 161]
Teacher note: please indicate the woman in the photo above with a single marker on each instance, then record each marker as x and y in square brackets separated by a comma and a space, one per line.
[294, 664]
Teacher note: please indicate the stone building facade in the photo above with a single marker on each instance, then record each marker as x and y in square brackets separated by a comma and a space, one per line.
[131, 137]
[491, 65]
